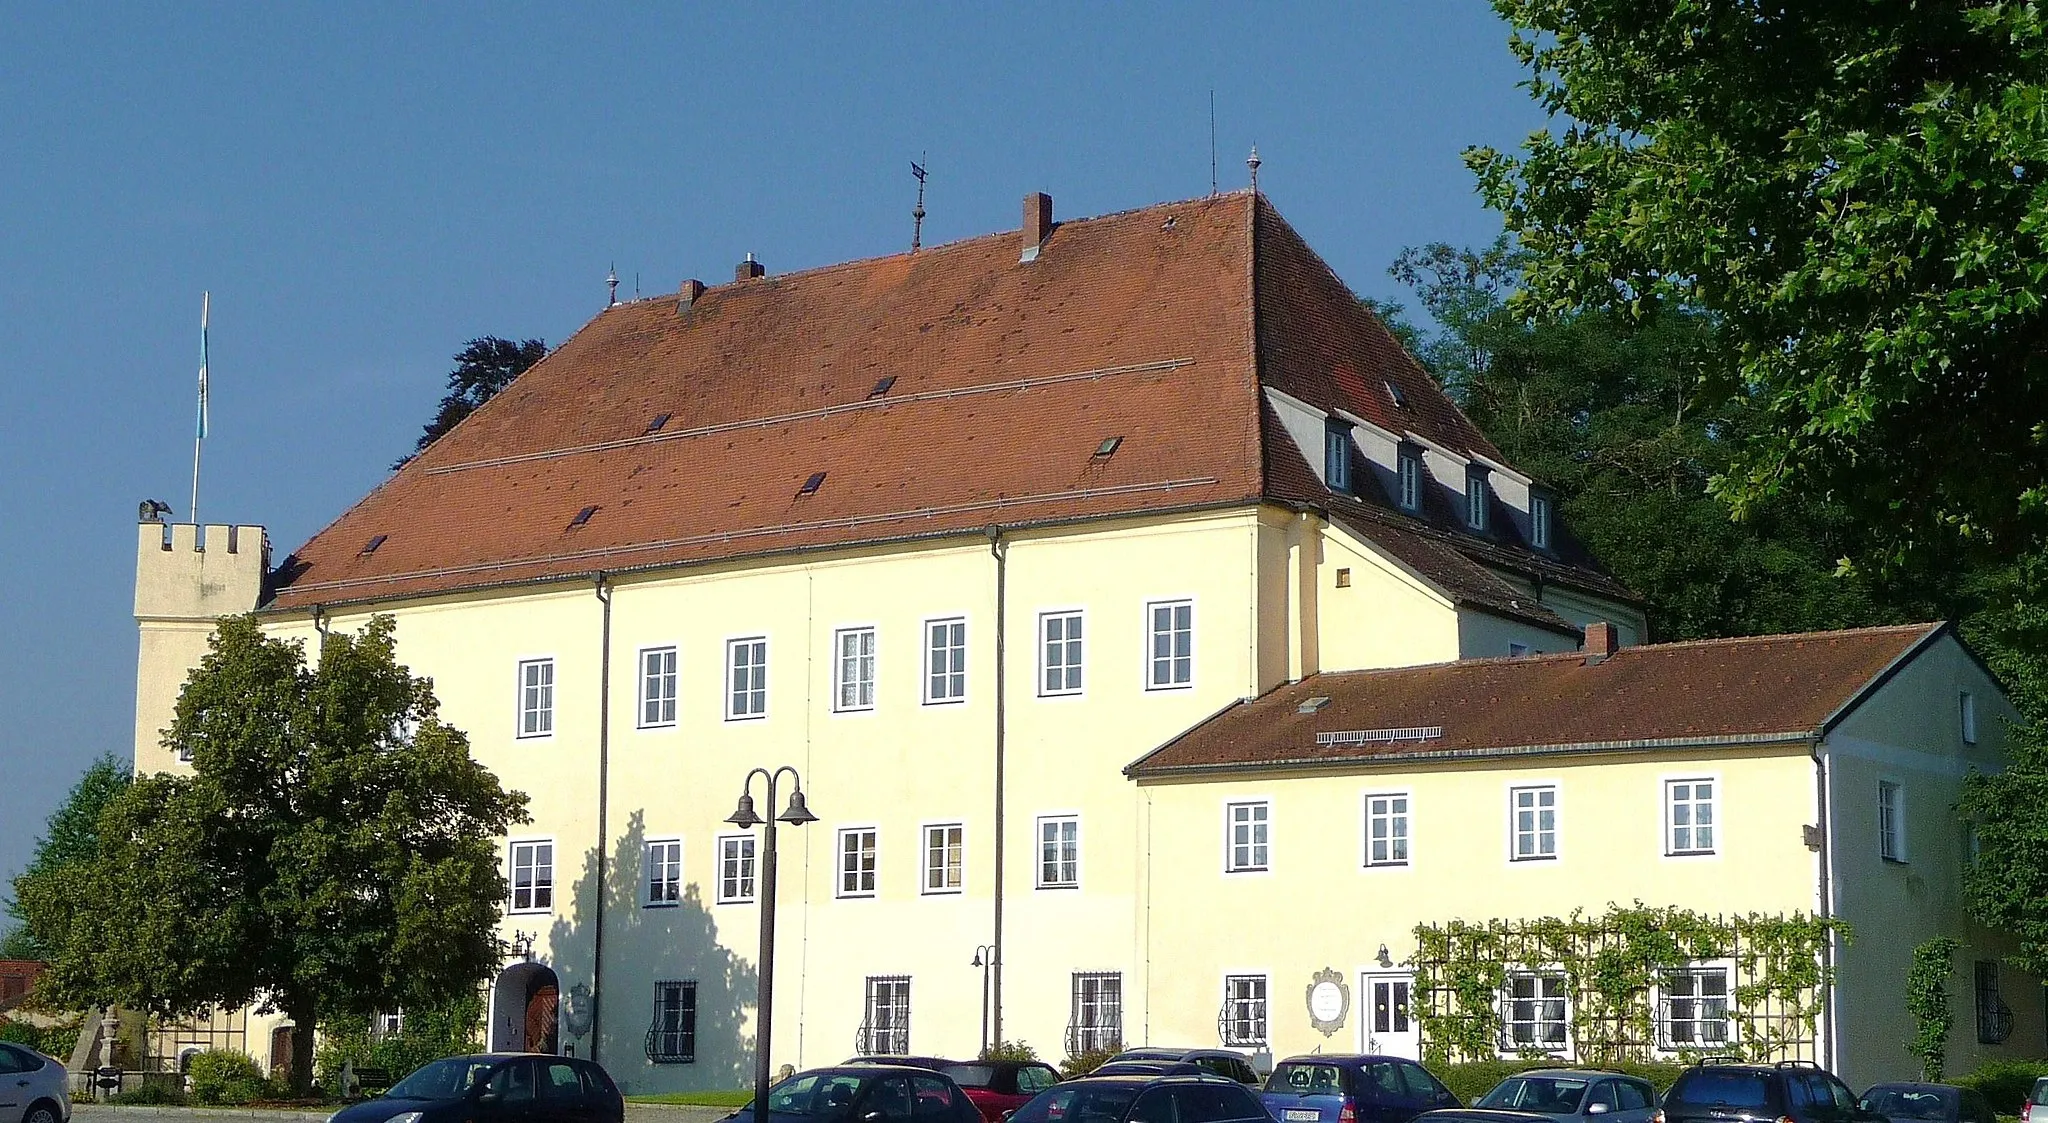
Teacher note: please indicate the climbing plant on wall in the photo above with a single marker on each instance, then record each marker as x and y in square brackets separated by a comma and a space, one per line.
[1610, 966]
[1927, 1001]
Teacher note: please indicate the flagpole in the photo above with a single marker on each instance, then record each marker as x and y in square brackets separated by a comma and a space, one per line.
[199, 429]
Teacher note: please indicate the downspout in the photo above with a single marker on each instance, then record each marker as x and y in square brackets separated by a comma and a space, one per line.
[603, 589]
[1824, 785]
[1001, 552]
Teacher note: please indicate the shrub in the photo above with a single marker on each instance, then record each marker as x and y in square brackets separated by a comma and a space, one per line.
[1009, 1051]
[1470, 1080]
[54, 1040]
[225, 1076]
[1081, 1064]
[153, 1092]
[2004, 1083]
[425, 1035]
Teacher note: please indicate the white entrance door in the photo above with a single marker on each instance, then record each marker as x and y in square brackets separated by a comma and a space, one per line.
[1388, 1027]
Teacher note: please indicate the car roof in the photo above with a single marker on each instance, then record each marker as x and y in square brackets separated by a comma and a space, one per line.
[1149, 1079]
[1171, 1052]
[1339, 1059]
[1914, 1085]
[1566, 1071]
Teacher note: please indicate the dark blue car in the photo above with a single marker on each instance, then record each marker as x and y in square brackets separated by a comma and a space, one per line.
[496, 1088]
[1352, 1088]
[866, 1093]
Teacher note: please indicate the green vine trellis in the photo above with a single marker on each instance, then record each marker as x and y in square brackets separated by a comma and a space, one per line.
[1610, 964]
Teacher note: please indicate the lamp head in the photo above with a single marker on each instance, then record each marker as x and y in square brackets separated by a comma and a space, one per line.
[977, 959]
[796, 814]
[744, 817]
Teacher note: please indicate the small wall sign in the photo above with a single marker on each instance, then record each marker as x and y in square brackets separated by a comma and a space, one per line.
[1329, 1001]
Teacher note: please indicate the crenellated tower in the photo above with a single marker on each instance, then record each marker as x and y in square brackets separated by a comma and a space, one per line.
[186, 578]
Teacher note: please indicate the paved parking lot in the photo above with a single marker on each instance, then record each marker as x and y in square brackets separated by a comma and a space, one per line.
[106, 1113]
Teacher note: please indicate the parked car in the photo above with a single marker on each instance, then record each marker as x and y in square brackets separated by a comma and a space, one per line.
[1352, 1088]
[1149, 1068]
[1928, 1103]
[33, 1088]
[2037, 1097]
[1222, 1062]
[871, 1093]
[1000, 1086]
[1716, 1092]
[1144, 1099]
[496, 1088]
[936, 1064]
[1547, 1095]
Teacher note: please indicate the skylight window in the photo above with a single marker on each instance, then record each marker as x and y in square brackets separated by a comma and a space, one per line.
[655, 425]
[812, 485]
[1108, 447]
[1399, 398]
[582, 516]
[882, 386]
[370, 547]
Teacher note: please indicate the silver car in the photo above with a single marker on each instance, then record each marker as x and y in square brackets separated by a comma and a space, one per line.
[1557, 1095]
[33, 1088]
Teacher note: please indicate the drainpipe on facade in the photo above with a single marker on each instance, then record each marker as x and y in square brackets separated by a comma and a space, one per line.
[603, 590]
[1000, 551]
[1823, 784]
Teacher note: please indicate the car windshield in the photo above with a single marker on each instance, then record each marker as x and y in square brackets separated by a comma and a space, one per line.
[972, 1076]
[1306, 1080]
[1911, 1103]
[824, 1094]
[442, 1080]
[1730, 1088]
[1550, 1095]
[1084, 1103]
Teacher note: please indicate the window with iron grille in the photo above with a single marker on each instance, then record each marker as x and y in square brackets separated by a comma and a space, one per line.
[537, 698]
[887, 1028]
[1097, 1019]
[664, 871]
[657, 687]
[673, 1037]
[1692, 1008]
[1535, 1012]
[945, 661]
[1994, 1017]
[1244, 1010]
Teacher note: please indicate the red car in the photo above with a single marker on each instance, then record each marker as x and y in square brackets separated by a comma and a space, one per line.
[1000, 1087]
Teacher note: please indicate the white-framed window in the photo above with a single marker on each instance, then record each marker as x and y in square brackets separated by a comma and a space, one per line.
[1337, 454]
[746, 678]
[657, 687]
[1539, 521]
[1170, 661]
[533, 875]
[943, 847]
[1244, 1010]
[1689, 819]
[853, 669]
[885, 1027]
[1408, 464]
[1692, 1006]
[735, 869]
[857, 862]
[537, 698]
[1533, 1015]
[1096, 1019]
[1060, 651]
[1966, 707]
[1532, 822]
[664, 871]
[945, 661]
[1891, 821]
[1059, 852]
[1248, 843]
[1477, 501]
[1386, 829]
[673, 1037]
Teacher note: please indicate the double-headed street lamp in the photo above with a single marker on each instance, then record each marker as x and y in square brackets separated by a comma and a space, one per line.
[745, 818]
[984, 958]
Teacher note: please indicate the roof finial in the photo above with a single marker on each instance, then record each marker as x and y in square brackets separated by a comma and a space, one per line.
[1253, 163]
[611, 283]
[917, 215]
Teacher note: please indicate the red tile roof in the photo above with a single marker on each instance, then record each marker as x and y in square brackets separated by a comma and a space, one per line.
[1731, 691]
[1007, 377]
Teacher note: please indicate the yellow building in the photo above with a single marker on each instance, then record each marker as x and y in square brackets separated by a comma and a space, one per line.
[964, 533]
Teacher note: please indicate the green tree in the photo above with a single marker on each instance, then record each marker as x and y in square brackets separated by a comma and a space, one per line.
[70, 837]
[1856, 192]
[483, 367]
[331, 854]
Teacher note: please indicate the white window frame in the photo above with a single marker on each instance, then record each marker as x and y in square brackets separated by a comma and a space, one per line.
[1508, 1021]
[954, 694]
[543, 706]
[1408, 479]
[1038, 863]
[957, 859]
[888, 988]
[1403, 816]
[1152, 633]
[1539, 520]
[1256, 1009]
[1478, 499]
[1556, 832]
[1337, 455]
[536, 888]
[651, 896]
[1891, 822]
[841, 661]
[1692, 804]
[1069, 644]
[873, 852]
[757, 710]
[1258, 843]
[1663, 998]
[1966, 706]
[664, 680]
[744, 850]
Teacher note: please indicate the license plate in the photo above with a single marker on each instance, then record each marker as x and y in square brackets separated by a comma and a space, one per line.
[1301, 1115]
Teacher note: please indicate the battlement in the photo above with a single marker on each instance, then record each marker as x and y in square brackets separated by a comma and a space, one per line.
[187, 572]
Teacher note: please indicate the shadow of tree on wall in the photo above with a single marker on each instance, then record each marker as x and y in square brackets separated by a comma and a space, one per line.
[645, 945]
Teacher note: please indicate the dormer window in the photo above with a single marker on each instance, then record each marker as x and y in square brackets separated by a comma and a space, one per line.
[1411, 478]
[1476, 499]
[1337, 455]
[1539, 520]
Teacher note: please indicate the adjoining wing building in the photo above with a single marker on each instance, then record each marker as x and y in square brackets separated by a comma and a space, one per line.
[1141, 618]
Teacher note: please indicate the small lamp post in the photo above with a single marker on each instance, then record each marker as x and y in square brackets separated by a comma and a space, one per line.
[984, 958]
[796, 814]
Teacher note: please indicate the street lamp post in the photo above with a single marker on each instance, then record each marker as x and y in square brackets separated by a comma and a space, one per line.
[745, 818]
[984, 958]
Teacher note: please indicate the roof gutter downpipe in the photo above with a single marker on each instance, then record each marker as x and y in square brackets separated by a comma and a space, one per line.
[603, 589]
[1000, 550]
[1824, 786]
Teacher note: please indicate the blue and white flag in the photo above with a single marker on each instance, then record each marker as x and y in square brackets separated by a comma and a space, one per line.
[205, 305]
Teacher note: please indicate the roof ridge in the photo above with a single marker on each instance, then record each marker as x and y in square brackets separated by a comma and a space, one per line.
[1921, 627]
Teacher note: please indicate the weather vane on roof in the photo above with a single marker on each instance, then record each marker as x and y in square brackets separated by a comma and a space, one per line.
[611, 283]
[917, 215]
[1253, 163]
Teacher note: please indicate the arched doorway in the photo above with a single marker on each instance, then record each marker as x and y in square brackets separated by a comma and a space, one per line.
[525, 1010]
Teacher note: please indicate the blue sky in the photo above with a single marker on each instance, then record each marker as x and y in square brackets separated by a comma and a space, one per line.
[366, 187]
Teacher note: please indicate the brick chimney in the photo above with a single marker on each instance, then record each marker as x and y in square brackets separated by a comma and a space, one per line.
[749, 269]
[1600, 642]
[692, 289]
[1037, 223]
